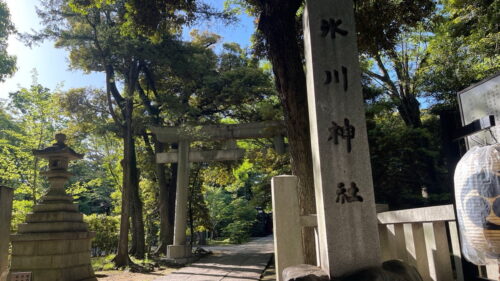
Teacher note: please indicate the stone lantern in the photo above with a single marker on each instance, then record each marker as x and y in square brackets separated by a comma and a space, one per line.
[54, 243]
[58, 155]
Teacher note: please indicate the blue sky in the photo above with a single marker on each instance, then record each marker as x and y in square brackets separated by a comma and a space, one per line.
[51, 64]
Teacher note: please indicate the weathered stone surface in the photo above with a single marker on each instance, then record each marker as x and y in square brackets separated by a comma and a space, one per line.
[80, 273]
[266, 129]
[178, 251]
[54, 217]
[52, 227]
[286, 224]
[51, 236]
[345, 202]
[64, 207]
[304, 272]
[202, 156]
[393, 270]
[50, 247]
[5, 217]
[63, 198]
[54, 244]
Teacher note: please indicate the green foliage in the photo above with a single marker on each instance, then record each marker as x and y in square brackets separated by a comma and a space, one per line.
[234, 193]
[381, 23]
[405, 160]
[20, 208]
[242, 218]
[106, 229]
[31, 120]
[464, 50]
[230, 217]
[102, 263]
[7, 62]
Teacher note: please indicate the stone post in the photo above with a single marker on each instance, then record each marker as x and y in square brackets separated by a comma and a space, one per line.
[180, 249]
[286, 223]
[347, 222]
[6, 195]
[54, 243]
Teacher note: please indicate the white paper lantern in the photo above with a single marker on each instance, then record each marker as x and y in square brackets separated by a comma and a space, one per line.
[477, 196]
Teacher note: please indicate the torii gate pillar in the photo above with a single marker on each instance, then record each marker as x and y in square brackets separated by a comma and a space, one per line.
[179, 249]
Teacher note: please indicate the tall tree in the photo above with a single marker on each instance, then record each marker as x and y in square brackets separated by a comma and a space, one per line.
[196, 85]
[28, 122]
[92, 35]
[278, 25]
[279, 28]
[393, 35]
[7, 62]
[464, 50]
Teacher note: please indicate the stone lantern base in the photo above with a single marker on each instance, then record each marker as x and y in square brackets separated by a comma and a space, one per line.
[54, 243]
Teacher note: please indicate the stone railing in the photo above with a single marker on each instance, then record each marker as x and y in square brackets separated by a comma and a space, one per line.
[426, 238]
[288, 224]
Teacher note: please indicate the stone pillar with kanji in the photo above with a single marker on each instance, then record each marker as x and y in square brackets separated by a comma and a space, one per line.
[345, 201]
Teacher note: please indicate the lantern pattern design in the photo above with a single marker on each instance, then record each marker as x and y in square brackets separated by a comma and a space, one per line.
[477, 194]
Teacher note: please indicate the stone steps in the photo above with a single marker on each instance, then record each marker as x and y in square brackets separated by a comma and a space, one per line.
[80, 273]
[62, 226]
[54, 217]
[50, 247]
[56, 198]
[55, 207]
[51, 261]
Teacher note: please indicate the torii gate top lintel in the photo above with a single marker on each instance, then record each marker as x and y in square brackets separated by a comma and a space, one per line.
[267, 129]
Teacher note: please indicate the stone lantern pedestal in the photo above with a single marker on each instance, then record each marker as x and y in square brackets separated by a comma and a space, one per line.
[54, 243]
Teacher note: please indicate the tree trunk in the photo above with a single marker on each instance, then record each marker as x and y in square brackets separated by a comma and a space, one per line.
[278, 24]
[409, 110]
[135, 199]
[122, 259]
[163, 201]
[133, 230]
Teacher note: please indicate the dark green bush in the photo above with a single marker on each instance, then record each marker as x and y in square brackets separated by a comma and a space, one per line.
[106, 229]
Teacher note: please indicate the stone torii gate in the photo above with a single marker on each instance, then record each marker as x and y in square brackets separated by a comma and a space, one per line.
[184, 135]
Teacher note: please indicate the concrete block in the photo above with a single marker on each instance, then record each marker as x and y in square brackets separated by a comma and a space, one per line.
[26, 248]
[29, 263]
[304, 272]
[54, 217]
[49, 274]
[81, 245]
[51, 236]
[55, 207]
[52, 227]
[63, 198]
[84, 258]
[83, 272]
[19, 276]
[286, 223]
[65, 261]
[54, 247]
[178, 251]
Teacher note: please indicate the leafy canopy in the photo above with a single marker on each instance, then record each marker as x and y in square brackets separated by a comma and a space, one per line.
[7, 62]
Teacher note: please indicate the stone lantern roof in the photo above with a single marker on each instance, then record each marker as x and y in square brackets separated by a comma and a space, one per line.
[58, 149]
